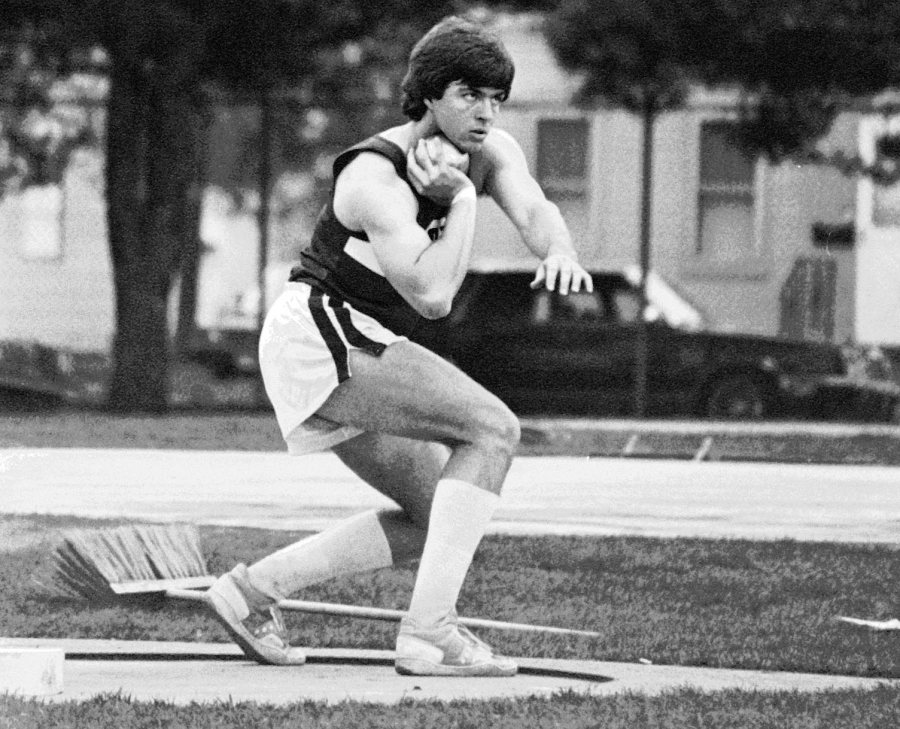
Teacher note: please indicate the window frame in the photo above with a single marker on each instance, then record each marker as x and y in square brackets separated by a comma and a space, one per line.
[750, 261]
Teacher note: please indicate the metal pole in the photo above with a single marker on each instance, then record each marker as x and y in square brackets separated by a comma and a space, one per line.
[265, 185]
[642, 340]
[263, 216]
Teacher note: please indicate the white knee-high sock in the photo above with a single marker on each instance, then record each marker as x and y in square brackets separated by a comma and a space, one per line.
[356, 544]
[460, 514]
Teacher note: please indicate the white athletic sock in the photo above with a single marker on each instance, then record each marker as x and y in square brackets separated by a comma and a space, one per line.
[460, 514]
[356, 544]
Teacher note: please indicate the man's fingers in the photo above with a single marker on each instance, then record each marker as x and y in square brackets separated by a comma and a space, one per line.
[435, 149]
[417, 176]
[580, 278]
[423, 157]
[563, 274]
[552, 269]
[588, 281]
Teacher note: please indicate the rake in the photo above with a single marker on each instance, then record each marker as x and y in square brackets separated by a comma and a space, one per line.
[144, 563]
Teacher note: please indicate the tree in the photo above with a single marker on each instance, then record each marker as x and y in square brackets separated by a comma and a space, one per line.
[161, 52]
[797, 63]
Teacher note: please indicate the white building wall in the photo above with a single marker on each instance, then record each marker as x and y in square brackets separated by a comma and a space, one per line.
[743, 295]
[65, 300]
[877, 300]
[739, 295]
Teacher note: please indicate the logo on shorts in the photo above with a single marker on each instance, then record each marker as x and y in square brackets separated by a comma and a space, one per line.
[436, 228]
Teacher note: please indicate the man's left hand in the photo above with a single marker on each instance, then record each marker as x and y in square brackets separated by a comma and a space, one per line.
[562, 273]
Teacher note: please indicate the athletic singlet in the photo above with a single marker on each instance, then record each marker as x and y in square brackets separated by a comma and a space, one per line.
[327, 267]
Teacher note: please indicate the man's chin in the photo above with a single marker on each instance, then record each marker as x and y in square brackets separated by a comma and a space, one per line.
[468, 146]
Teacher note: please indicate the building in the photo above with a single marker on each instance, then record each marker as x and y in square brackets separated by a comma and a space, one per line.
[755, 247]
[787, 249]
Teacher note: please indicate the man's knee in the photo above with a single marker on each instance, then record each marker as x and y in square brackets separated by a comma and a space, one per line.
[498, 429]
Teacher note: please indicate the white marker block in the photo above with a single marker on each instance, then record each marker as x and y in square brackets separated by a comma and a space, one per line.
[31, 671]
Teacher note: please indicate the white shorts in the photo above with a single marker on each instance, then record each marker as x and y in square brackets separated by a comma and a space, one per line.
[304, 354]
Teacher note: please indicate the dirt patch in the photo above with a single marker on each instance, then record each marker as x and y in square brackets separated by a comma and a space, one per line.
[18, 533]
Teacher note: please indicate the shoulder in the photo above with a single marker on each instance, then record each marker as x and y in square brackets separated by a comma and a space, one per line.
[368, 186]
[368, 165]
[500, 156]
[500, 147]
[500, 153]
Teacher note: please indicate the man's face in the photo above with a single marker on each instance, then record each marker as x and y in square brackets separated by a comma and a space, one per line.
[465, 114]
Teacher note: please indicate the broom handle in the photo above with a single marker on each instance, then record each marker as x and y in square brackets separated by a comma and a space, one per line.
[374, 613]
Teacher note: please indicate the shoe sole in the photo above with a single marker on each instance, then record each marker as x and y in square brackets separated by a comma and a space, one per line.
[419, 667]
[259, 652]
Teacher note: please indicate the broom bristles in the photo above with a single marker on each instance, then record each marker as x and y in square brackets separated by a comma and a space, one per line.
[89, 560]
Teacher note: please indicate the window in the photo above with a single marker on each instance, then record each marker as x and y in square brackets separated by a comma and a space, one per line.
[563, 168]
[726, 220]
[552, 308]
[562, 153]
[581, 306]
[886, 198]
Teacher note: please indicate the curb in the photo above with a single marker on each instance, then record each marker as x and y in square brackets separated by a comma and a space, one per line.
[186, 672]
[781, 442]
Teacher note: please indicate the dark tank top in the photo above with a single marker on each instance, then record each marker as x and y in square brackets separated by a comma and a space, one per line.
[325, 266]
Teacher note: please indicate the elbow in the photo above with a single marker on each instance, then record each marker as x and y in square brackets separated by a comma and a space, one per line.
[433, 304]
[431, 300]
[435, 308]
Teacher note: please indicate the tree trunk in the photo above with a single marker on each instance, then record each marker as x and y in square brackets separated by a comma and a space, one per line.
[153, 134]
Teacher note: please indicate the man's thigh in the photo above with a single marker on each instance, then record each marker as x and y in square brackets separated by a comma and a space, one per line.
[411, 392]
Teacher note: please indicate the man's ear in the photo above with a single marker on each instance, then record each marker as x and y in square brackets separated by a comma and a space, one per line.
[428, 122]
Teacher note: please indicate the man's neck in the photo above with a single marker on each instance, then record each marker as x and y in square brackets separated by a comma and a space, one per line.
[406, 136]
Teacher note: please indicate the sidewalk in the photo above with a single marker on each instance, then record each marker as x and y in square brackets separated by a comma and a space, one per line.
[205, 672]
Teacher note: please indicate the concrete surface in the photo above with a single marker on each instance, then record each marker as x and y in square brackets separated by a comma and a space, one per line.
[31, 670]
[185, 672]
[543, 494]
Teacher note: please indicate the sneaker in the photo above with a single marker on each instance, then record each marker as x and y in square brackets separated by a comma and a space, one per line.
[447, 649]
[233, 601]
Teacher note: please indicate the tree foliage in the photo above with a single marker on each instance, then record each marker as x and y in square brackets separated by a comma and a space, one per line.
[160, 53]
[796, 62]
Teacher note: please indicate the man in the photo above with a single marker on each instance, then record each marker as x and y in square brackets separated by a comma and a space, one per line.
[390, 247]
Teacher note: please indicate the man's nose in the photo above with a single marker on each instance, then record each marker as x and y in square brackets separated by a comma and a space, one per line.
[486, 109]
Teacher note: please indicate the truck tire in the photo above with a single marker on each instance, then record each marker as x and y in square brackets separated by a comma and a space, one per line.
[737, 397]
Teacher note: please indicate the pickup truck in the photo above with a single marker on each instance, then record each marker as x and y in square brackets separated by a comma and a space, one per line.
[543, 353]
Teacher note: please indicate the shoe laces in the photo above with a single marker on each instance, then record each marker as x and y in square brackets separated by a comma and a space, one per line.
[274, 628]
[473, 639]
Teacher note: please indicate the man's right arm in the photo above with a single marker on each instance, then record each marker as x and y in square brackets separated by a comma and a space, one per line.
[370, 196]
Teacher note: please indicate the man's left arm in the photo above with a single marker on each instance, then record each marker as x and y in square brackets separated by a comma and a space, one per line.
[537, 219]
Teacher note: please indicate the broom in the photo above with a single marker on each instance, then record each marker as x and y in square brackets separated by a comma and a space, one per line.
[148, 562]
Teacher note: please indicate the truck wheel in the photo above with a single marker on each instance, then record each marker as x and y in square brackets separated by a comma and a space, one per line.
[736, 397]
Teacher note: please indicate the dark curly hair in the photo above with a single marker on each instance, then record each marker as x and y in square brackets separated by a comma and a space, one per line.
[454, 50]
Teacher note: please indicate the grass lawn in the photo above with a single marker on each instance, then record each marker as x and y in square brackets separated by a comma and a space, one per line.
[75, 428]
[725, 603]
[684, 709]
[721, 603]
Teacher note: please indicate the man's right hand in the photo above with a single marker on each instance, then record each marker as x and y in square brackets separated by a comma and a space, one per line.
[436, 169]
